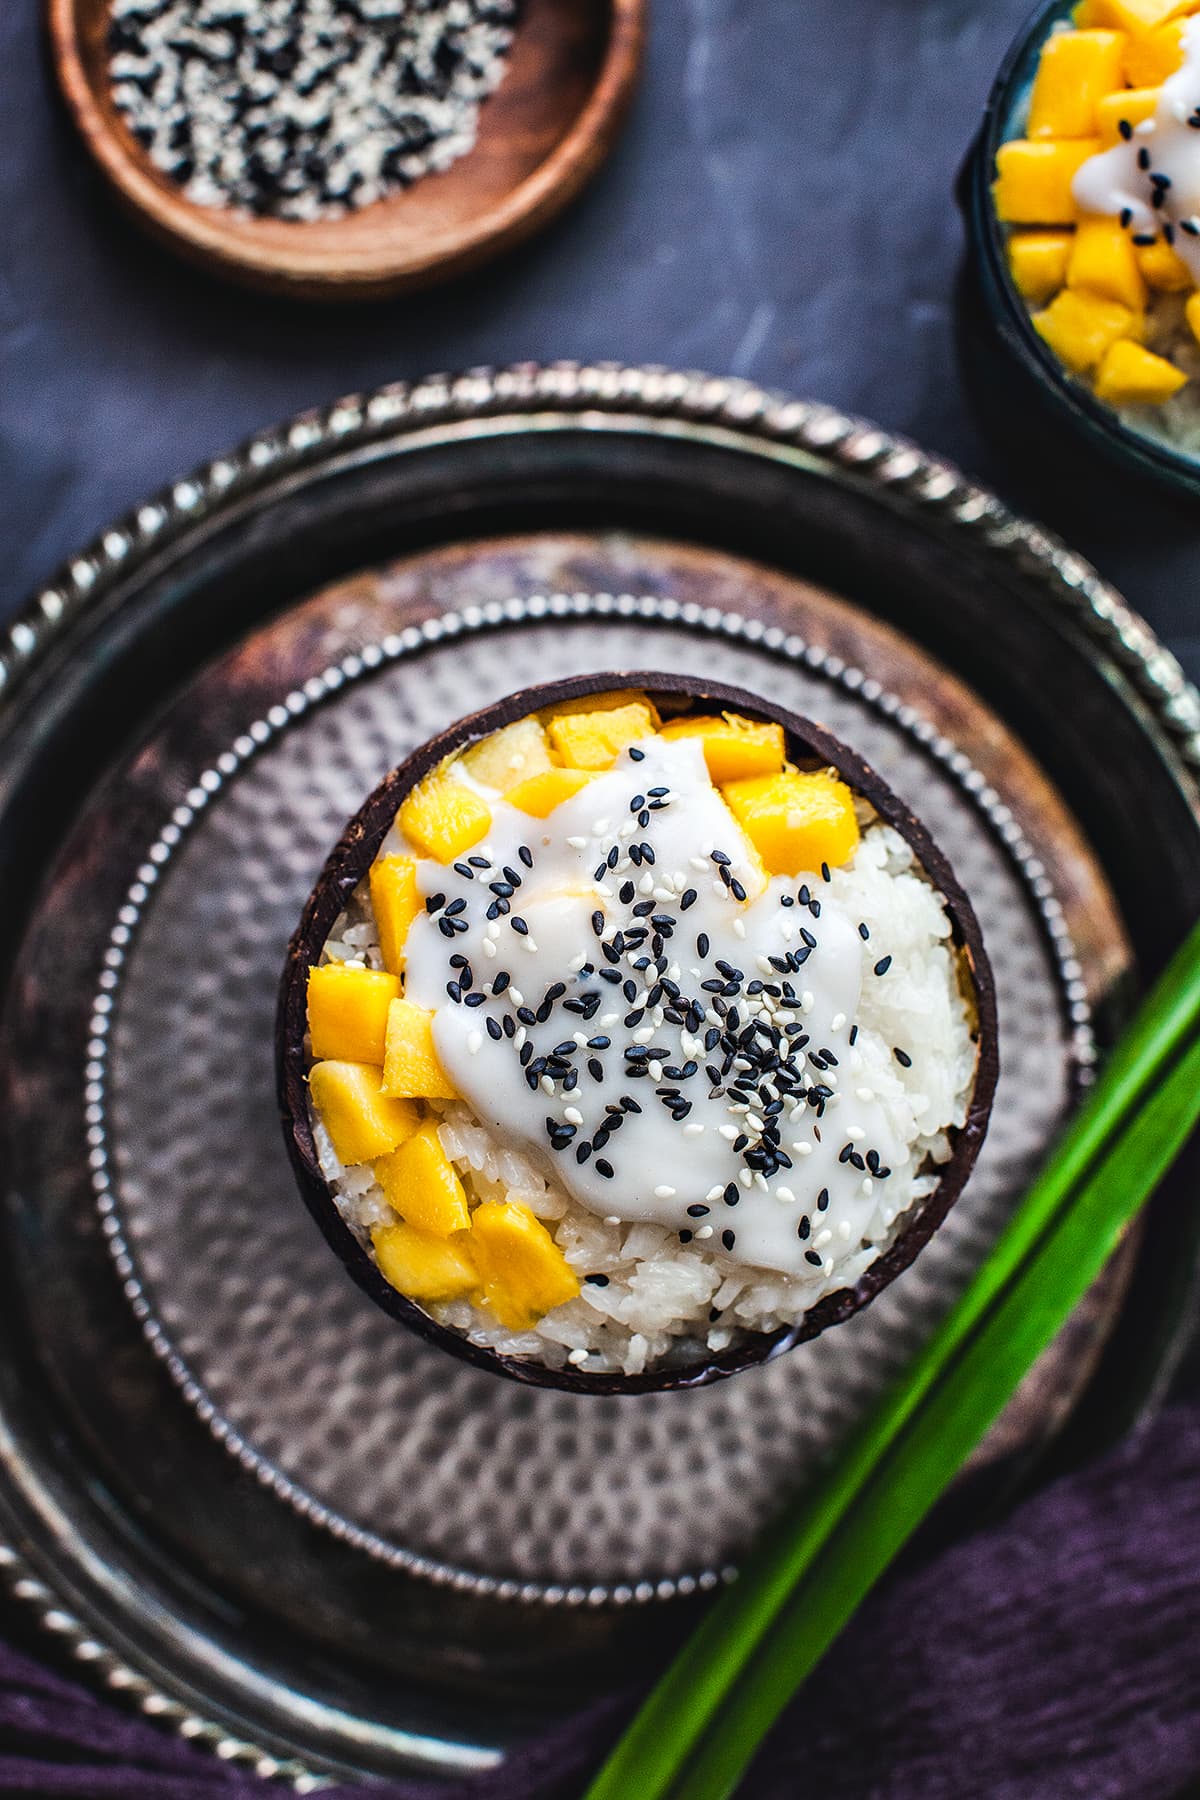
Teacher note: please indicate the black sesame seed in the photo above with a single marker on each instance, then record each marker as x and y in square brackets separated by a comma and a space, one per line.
[455, 907]
[464, 869]
[728, 1238]
[685, 1237]
[702, 944]
[823, 1200]
[598, 922]
[863, 932]
[732, 1194]
[604, 1167]
[596, 1280]
[636, 755]
[501, 981]
[813, 1257]
[493, 1029]
[698, 1211]
[519, 926]
[883, 965]
[902, 1057]
[525, 854]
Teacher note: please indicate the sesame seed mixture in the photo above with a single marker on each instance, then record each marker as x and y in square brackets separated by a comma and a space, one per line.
[304, 109]
[663, 1050]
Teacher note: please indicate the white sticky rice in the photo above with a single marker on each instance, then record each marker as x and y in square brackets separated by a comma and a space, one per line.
[667, 1300]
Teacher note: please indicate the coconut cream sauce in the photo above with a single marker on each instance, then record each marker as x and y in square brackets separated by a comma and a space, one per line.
[1154, 176]
[602, 1018]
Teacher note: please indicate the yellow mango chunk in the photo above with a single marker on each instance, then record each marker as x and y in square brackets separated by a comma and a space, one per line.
[1130, 106]
[1150, 56]
[348, 1010]
[593, 740]
[524, 1273]
[421, 1182]
[1077, 68]
[395, 903]
[795, 821]
[1191, 307]
[1135, 16]
[509, 756]
[1132, 376]
[422, 1266]
[1102, 261]
[442, 816]
[1161, 268]
[542, 793]
[1033, 179]
[609, 701]
[362, 1121]
[410, 1065]
[1037, 262]
[733, 746]
[1080, 327]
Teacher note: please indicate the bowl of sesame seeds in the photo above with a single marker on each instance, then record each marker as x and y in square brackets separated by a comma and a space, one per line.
[346, 149]
[633, 1033]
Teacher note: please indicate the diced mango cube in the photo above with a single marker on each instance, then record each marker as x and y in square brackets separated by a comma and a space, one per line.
[1130, 106]
[1033, 179]
[1103, 261]
[1080, 327]
[421, 1182]
[410, 1064]
[524, 1272]
[1191, 307]
[608, 701]
[1037, 261]
[423, 1266]
[1077, 68]
[443, 817]
[593, 740]
[1132, 376]
[362, 1121]
[796, 821]
[1161, 268]
[510, 755]
[1150, 56]
[348, 1010]
[542, 793]
[395, 903]
[1134, 16]
[733, 746]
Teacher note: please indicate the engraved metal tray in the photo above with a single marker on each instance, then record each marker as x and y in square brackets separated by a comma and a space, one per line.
[228, 1483]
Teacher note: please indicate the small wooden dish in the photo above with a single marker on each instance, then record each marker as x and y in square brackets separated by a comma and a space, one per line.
[542, 134]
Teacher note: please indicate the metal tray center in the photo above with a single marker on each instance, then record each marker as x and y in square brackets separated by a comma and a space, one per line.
[406, 1453]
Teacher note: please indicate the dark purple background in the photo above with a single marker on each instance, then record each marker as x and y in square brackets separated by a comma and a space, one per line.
[779, 208]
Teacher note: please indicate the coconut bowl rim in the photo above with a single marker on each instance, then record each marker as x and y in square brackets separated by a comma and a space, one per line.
[347, 866]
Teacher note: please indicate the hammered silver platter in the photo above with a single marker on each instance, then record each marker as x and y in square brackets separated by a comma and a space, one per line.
[229, 1483]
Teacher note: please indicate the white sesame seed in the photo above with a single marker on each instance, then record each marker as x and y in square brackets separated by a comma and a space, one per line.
[822, 1238]
[576, 963]
[802, 1149]
[578, 1356]
[864, 1093]
[714, 1193]
[728, 1131]
[489, 948]
[868, 1186]
[577, 843]
[786, 1195]
[599, 827]
[693, 1128]
[705, 1231]
[738, 927]
[656, 1070]
[573, 1116]
[837, 1021]
[547, 1085]
[519, 1039]
[855, 1133]
[516, 996]
[663, 1192]
[474, 1043]
[844, 1231]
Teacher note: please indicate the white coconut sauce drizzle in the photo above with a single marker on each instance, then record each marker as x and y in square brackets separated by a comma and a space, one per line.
[619, 1017]
[1152, 179]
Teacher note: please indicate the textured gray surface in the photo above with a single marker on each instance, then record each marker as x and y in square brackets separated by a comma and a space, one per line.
[589, 1491]
[780, 207]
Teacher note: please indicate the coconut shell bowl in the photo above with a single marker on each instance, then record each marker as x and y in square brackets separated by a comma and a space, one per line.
[809, 747]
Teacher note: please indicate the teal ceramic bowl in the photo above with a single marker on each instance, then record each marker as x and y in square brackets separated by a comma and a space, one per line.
[1027, 378]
